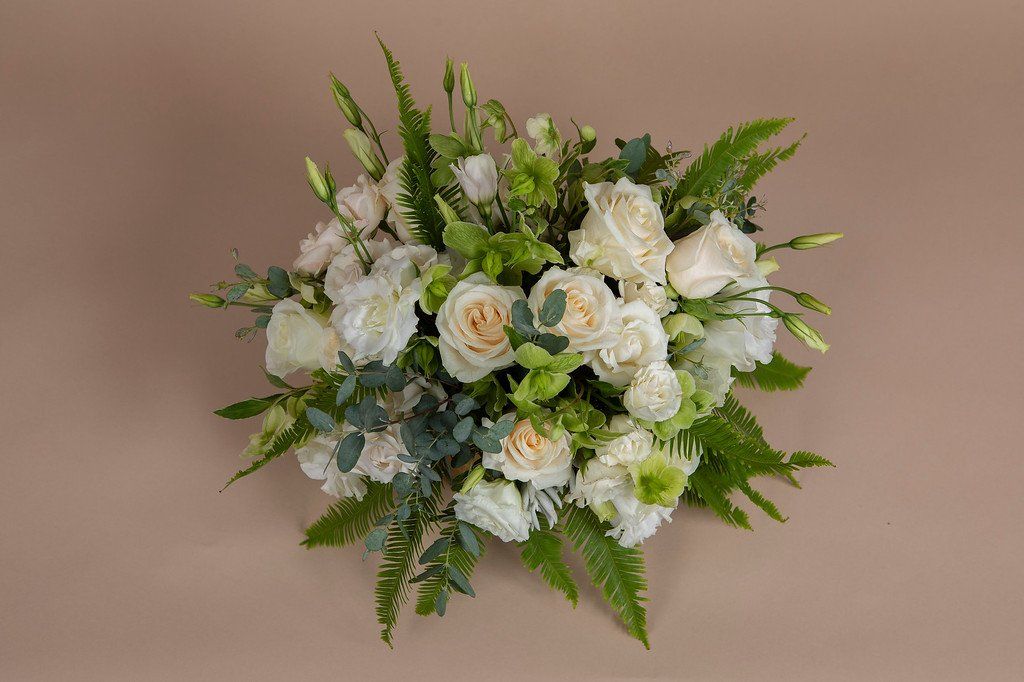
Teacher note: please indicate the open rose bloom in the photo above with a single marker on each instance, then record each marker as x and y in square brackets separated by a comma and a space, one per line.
[535, 344]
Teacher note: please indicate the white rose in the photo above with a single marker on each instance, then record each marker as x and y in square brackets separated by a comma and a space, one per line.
[379, 459]
[363, 203]
[597, 482]
[623, 234]
[592, 313]
[376, 317]
[390, 188]
[635, 521]
[640, 341]
[653, 296]
[654, 394]
[635, 445]
[716, 255]
[496, 507]
[346, 268]
[478, 178]
[319, 247]
[471, 328]
[317, 460]
[404, 263]
[293, 339]
[530, 457]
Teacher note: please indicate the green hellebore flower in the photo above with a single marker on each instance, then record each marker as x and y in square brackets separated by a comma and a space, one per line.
[656, 481]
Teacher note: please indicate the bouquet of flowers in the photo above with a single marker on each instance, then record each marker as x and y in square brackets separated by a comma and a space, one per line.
[535, 345]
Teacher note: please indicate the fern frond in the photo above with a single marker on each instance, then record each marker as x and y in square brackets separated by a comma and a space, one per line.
[416, 198]
[616, 570]
[758, 165]
[349, 520]
[543, 550]
[398, 562]
[803, 459]
[762, 502]
[741, 418]
[778, 375]
[709, 169]
[295, 433]
[454, 556]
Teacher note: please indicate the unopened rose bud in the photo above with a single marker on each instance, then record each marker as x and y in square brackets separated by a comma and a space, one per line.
[449, 76]
[809, 336]
[468, 91]
[474, 477]
[811, 303]
[316, 181]
[813, 241]
[208, 300]
[362, 148]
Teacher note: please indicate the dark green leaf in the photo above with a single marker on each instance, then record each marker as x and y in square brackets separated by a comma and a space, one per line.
[458, 580]
[277, 282]
[236, 292]
[463, 429]
[348, 386]
[553, 309]
[349, 449]
[246, 408]
[395, 379]
[375, 539]
[467, 538]
[320, 420]
[435, 550]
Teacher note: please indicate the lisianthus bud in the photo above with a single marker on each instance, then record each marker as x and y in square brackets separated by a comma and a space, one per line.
[808, 301]
[468, 91]
[767, 266]
[474, 477]
[447, 212]
[813, 241]
[344, 100]
[208, 300]
[478, 178]
[361, 147]
[449, 76]
[316, 181]
[808, 335]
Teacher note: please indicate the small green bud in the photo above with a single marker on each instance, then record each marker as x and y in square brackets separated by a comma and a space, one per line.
[813, 241]
[767, 266]
[683, 328]
[449, 76]
[362, 148]
[208, 300]
[588, 134]
[316, 181]
[604, 512]
[344, 100]
[808, 335]
[474, 477]
[811, 303]
[468, 91]
[276, 420]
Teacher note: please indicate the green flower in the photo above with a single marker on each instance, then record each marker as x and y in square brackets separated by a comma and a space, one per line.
[656, 481]
[275, 421]
[531, 177]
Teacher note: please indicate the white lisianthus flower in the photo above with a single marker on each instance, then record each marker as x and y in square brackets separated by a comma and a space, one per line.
[346, 268]
[705, 262]
[379, 459]
[547, 139]
[471, 328]
[363, 203]
[293, 339]
[478, 178]
[623, 234]
[640, 341]
[635, 521]
[403, 264]
[653, 295]
[759, 330]
[319, 247]
[496, 507]
[404, 402]
[390, 188]
[317, 460]
[532, 458]
[597, 482]
[654, 394]
[376, 317]
[635, 445]
[592, 313]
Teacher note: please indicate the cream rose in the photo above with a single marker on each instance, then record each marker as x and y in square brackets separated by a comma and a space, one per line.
[376, 317]
[496, 507]
[640, 341]
[653, 296]
[705, 262]
[654, 394]
[532, 458]
[623, 234]
[379, 459]
[592, 313]
[404, 263]
[634, 445]
[317, 460]
[471, 328]
[293, 339]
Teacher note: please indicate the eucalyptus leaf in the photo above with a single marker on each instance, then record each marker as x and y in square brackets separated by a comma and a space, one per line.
[348, 386]
[278, 282]
[463, 430]
[458, 580]
[349, 449]
[553, 309]
[468, 540]
[375, 539]
[320, 420]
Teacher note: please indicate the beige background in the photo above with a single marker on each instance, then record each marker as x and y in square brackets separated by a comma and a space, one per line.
[140, 141]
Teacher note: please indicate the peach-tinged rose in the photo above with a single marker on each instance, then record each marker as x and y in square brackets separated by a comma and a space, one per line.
[531, 457]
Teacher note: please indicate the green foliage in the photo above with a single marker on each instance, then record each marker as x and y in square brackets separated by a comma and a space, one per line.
[247, 408]
[778, 375]
[758, 165]
[416, 200]
[543, 550]
[348, 520]
[449, 569]
[616, 570]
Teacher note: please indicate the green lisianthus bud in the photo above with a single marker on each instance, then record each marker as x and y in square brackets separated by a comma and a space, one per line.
[316, 181]
[808, 335]
[362, 148]
[683, 328]
[474, 477]
[468, 91]
[448, 82]
[208, 300]
[813, 241]
[656, 481]
[588, 134]
[604, 511]
[344, 100]
[811, 303]
[447, 212]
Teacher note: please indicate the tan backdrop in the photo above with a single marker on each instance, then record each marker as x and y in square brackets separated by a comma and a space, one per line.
[141, 141]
